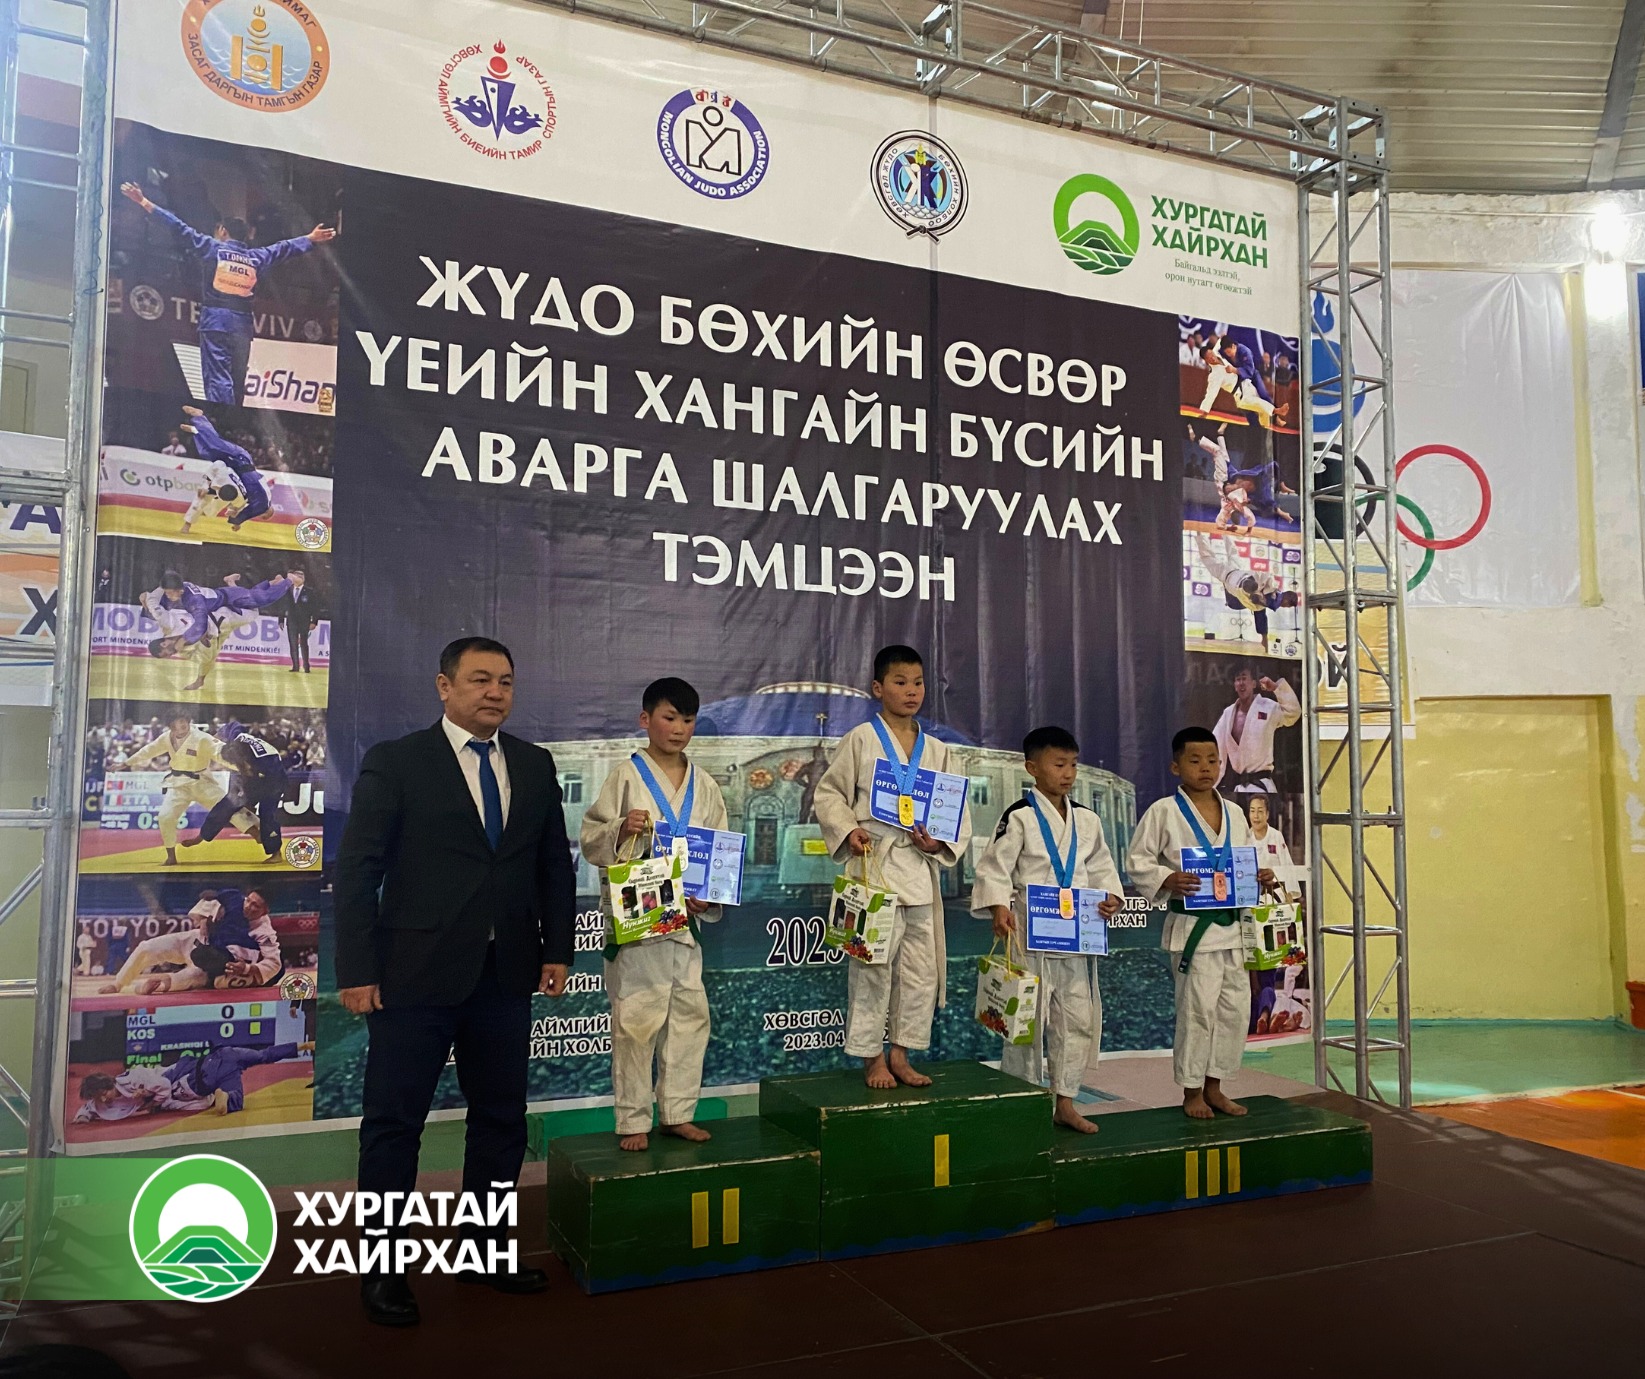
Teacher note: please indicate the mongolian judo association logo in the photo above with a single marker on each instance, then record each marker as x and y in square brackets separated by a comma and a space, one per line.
[919, 183]
[497, 102]
[266, 55]
[202, 1228]
[713, 143]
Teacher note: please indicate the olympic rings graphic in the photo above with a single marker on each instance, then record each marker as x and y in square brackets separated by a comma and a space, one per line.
[1450, 543]
[1428, 545]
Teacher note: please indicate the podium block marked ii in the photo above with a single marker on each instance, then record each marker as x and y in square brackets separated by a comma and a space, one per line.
[966, 1158]
[746, 1199]
[1149, 1161]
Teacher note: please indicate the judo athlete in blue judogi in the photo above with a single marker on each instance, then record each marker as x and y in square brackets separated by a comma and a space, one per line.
[216, 1075]
[212, 448]
[196, 620]
[230, 269]
[257, 783]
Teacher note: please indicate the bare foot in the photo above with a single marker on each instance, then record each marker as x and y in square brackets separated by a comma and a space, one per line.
[876, 1074]
[1193, 1104]
[686, 1131]
[193, 842]
[110, 990]
[904, 1071]
[154, 986]
[1262, 1023]
[171, 858]
[305, 1046]
[194, 684]
[634, 1143]
[1218, 1101]
[1065, 1114]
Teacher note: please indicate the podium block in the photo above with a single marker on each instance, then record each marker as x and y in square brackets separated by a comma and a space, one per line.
[746, 1199]
[966, 1158]
[1160, 1160]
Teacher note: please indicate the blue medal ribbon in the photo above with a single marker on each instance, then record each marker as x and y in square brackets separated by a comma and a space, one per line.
[902, 775]
[1063, 867]
[675, 824]
[1221, 859]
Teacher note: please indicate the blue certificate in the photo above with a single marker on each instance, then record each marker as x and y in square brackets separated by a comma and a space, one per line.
[1240, 889]
[1052, 929]
[939, 800]
[715, 870]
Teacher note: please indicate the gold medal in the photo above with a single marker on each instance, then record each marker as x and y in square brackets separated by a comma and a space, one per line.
[1219, 885]
[905, 810]
[1065, 902]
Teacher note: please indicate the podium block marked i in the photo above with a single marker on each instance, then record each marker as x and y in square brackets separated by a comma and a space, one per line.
[967, 1158]
[1151, 1161]
[744, 1200]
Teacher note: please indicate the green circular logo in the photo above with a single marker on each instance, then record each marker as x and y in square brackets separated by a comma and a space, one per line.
[202, 1228]
[1095, 245]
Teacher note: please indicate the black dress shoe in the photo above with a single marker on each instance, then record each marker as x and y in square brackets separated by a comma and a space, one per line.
[388, 1300]
[521, 1281]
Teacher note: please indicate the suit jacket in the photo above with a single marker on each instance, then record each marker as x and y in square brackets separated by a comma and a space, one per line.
[297, 609]
[418, 889]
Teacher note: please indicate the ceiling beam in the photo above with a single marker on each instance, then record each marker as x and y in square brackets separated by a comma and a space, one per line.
[1619, 95]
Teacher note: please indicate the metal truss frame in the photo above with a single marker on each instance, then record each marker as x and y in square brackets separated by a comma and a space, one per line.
[981, 55]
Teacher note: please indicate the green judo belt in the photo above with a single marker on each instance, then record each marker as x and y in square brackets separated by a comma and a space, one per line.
[1204, 921]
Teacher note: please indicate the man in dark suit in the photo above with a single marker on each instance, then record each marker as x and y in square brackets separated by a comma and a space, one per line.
[298, 614]
[455, 901]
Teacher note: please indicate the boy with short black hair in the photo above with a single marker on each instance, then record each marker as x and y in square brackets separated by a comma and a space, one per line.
[909, 986]
[659, 1009]
[1048, 839]
[1213, 990]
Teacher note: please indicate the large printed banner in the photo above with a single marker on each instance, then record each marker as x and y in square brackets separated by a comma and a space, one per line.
[649, 361]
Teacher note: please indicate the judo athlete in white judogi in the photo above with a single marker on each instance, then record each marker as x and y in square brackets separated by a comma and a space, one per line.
[1046, 839]
[1270, 844]
[659, 1009]
[219, 494]
[192, 759]
[1222, 375]
[1245, 734]
[1206, 947]
[911, 984]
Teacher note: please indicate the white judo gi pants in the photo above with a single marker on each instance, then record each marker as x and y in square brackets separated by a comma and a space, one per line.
[1250, 400]
[659, 1011]
[181, 792]
[1213, 1013]
[1221, 377]
[1069, 1027]
[901, 990]
[166, 948]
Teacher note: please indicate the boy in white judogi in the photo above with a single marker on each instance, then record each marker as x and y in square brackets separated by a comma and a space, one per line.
[1206, 947]
[1046, 839]
[192, 757]
[909, 986]
[659, 1008]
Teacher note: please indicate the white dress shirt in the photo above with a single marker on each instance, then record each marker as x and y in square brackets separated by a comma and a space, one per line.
[470, 763]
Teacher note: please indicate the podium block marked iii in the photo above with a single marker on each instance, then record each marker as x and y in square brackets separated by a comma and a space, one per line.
[1149, 1161]
[966, 1158]
[747, 1199]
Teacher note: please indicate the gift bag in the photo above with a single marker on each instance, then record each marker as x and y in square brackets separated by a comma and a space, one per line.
[1008, 997]
[860, 914]
[645, 896]
[1273, 932]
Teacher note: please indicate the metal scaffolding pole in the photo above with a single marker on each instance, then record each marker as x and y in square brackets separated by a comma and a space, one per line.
[1356, 775]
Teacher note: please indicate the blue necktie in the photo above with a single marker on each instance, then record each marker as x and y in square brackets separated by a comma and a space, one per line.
[489, 793]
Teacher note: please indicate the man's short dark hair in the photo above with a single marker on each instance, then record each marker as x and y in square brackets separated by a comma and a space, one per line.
[171, 580]
[1186, 737]
[157, 648]
[94, 1085]
[228, 493]
[454, 652]
[673, 690]
[888, 656]
[181, 716]
[1246, 668]
[1290, 599]
[1048, 739]
[237, 228]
